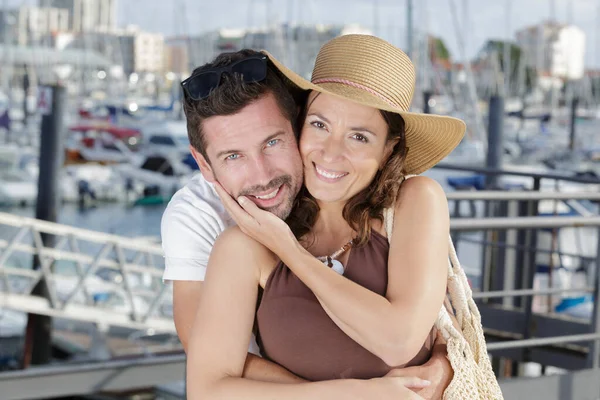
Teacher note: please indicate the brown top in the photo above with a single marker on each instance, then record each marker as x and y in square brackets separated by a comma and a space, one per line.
[295, 332]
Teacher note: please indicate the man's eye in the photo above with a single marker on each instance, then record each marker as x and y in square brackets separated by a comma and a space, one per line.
[272, 142]
[232, 157]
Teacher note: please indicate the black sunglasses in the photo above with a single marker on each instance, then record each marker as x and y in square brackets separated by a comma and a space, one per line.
[199, 86]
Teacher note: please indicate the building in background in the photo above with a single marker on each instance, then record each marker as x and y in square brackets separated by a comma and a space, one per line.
[148, 52]
[31, 26]
[295, 45]
[132, 49]
[87, 15]
[554, 49]
[177, 58]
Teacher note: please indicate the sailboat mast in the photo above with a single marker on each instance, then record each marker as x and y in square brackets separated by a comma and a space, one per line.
[461, 36]
[409, 28]
[374, 8]
[290, 43]
[507, 51]
[424, 46]
[595, 55]
[553, 94]
[6, 67]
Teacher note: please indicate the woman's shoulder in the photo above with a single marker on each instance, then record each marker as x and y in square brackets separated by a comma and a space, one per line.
[234, 238]
[421, 186]
[421, 192]
[236, 243]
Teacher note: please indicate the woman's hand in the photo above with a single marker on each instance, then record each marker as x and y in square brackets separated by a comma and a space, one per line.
[261, 225]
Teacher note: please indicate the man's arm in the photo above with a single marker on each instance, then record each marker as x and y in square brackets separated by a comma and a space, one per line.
[186, 298]
[259, 369]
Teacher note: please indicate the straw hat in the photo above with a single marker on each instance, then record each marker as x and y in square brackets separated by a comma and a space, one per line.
[370, 71]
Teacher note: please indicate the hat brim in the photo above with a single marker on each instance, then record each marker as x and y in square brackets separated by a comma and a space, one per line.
[429, 138]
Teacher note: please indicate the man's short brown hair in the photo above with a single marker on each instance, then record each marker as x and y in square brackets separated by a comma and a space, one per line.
[232, 95]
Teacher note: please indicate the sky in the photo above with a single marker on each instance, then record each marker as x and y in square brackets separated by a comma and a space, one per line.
[485, 18]
[497, 19]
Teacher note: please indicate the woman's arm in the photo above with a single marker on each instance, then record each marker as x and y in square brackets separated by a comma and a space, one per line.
[396, 326]
[393, 327]
[221, 332]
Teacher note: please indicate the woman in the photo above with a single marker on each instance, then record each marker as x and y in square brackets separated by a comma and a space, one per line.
[372, 305]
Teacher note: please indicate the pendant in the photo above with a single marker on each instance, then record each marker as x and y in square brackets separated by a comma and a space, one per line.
[337, 267]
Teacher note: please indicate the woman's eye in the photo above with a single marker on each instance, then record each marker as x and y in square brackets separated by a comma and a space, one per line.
[360, 137]
[318, 124]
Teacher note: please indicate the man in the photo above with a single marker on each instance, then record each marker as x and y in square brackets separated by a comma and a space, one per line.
[241, 120]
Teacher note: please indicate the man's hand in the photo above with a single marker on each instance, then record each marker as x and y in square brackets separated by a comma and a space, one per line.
[437, 370]
[395, 387]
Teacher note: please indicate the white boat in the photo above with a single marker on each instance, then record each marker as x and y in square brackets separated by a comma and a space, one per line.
[103, 143]
[96, 182]
[166, 137]
[468, 152]
[12, 323]
[160, 174]
[16, 185]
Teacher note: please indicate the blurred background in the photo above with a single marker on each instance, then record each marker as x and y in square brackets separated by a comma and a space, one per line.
[93, 144]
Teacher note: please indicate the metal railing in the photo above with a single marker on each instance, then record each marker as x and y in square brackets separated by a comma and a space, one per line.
[514, 331]
[80, 379]
[535, 176]
[91, 276]
[135, 258]
[479, 224]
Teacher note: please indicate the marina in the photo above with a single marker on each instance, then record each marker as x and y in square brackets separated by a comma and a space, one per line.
[93, 145]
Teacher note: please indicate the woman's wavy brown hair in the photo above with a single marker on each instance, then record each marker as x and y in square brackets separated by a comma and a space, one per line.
[369, 203]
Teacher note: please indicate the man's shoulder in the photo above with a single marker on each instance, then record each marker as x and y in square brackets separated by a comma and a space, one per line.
[193, 219]
[198, 193]
[197, 201]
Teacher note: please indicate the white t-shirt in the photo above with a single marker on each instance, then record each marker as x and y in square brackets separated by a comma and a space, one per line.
[189, 228]
[190, 225]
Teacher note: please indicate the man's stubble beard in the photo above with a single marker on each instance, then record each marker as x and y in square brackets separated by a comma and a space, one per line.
[284, 209]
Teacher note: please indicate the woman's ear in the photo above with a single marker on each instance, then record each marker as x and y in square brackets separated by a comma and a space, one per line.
[388, 151]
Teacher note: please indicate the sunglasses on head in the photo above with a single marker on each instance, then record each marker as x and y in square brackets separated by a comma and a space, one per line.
[199, 86]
